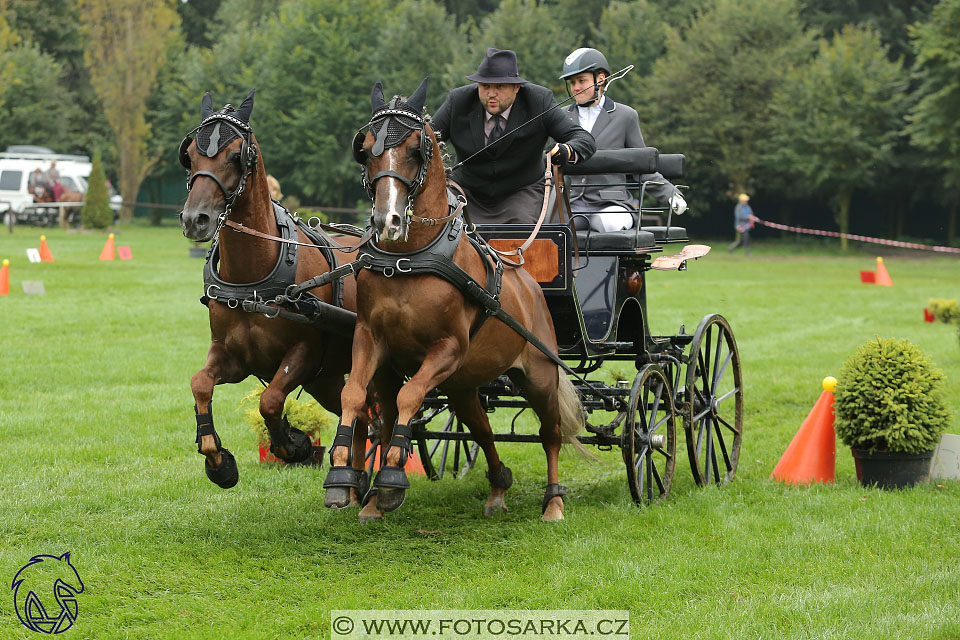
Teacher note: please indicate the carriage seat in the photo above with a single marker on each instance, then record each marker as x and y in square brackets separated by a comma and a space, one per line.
[668, 234]
[626, 240]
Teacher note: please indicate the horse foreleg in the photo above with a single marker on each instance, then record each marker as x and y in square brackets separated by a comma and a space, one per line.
[326, 389]
[387, 385]
[220, 367]
[467, 406]
[286, 442]
[342, 478]
[442, 359]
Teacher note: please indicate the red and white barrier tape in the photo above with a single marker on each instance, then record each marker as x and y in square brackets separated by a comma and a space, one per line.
[837, 234]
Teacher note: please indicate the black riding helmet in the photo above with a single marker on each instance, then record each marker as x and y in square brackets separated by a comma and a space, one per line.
[584, 59]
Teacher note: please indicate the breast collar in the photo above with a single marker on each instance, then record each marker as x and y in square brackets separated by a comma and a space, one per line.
[284, 273]
[437, 259]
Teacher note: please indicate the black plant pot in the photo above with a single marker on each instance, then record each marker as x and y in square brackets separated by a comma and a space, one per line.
[891, 469]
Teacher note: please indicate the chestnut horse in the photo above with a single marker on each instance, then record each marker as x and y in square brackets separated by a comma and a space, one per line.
[227, 186]
[414, 321]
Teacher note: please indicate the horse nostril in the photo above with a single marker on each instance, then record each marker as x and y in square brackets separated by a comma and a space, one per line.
[202, 221]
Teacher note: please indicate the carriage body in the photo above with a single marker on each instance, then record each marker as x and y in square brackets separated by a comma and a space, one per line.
[595, 285]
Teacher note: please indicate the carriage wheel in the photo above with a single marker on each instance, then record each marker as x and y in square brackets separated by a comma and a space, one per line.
[443, 456]
[649, 439]
[713, 413]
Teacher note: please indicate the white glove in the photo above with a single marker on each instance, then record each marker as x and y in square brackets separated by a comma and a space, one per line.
[677, 204]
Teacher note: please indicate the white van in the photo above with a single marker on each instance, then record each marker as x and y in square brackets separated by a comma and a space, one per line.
[18, 162]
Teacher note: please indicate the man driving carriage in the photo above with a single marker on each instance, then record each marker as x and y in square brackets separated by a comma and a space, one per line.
[505, 184]
[604, 198]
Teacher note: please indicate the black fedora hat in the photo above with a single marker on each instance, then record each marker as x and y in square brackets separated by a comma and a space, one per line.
[499, 66]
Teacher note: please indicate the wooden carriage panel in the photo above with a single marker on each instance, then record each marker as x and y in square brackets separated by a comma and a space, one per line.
[541, 257]
[548, 257]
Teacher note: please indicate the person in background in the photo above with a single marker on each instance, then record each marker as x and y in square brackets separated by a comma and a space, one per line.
[505, 184]
[53, 181]
[275, 194]
[742, 223]
[605, 198]
[37, 183]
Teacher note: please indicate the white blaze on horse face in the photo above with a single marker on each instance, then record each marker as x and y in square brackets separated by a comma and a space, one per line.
[395, 205]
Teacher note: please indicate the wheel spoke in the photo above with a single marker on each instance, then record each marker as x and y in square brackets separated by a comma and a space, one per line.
[727, 394]
[727, 424]
[716, 359]
[723, 369]
[638, 461]
[666, 416]
[723, 448]
[656, 476]
[709, 453]
[715, 465]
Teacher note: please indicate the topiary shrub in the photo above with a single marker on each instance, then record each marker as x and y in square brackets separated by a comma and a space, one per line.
[96, 212]
[307, 416]
[889, 398]
[944, 310]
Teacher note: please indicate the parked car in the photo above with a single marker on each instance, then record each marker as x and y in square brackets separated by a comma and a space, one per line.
[18, 162]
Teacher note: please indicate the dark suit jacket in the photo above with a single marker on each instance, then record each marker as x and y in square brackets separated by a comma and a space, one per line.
[617, 127]
[518, 160]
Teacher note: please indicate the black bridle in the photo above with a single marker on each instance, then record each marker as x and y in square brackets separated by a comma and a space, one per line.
[391, 126]
[248, 155]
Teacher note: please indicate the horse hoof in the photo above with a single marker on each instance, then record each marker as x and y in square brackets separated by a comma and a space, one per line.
[298, 447]
[390, 499]
[337, 498]
[370, 513]
[226, 475]
[554, 510]
[494, 505]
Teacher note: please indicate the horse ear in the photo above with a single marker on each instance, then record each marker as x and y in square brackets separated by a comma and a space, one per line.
[206, 106]
[419, 97]
[66, 556]
[376, 97]
[246, 107]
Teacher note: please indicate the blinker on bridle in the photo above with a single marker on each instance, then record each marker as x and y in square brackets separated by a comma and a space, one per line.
[218, 141]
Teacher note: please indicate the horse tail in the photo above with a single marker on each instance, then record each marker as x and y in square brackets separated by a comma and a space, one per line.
[571, 414]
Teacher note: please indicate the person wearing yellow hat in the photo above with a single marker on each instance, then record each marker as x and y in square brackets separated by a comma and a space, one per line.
[742, 223]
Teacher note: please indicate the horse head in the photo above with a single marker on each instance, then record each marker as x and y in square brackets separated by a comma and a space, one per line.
[396, 152]
[223, 150]
[36, 579]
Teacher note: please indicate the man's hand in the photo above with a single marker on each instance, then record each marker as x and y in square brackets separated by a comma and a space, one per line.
[677, 204]
[561, 154]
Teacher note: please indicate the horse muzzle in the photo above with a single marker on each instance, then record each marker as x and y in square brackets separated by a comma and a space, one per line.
[390, 226]
[197, 225]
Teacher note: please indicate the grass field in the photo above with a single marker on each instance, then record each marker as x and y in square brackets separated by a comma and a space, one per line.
[98, 458]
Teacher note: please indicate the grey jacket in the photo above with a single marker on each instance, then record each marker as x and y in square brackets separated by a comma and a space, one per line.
[617, 127]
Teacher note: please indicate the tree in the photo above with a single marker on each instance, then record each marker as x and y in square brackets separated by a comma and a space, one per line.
[29, 84]
[617, 38]
[534, 31]
[933, 123]
[127, 44]
[709, 96]
[96, 212]
[839, 118]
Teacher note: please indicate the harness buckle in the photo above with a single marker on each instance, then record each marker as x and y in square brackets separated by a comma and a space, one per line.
[233, 303]
[391, 271]
[401, 269]
[209, 294]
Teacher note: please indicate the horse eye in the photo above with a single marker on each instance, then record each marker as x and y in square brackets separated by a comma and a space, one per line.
[234, 158]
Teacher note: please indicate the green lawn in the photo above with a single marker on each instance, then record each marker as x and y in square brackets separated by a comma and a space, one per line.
[98, 459]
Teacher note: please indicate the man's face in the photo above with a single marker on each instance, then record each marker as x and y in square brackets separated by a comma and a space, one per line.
[584, 82]
[497, 98]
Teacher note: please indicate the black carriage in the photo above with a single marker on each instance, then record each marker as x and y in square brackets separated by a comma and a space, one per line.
[596, 288]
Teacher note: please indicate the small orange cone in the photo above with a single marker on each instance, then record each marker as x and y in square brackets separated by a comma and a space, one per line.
[5, 278]
[812, 454]
[883, 278]
[45, 255]
[413, 462]
[107, 253]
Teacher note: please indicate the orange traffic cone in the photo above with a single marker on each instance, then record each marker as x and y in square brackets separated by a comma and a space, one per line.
[45, 255]
[107, 253]
[413, 462]
[5, 278]
[883, 278]
[812, 454]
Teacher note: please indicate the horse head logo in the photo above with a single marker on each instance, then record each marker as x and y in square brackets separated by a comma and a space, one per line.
[42, 575]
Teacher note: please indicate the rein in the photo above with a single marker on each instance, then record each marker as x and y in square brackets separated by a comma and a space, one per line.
[250, 231]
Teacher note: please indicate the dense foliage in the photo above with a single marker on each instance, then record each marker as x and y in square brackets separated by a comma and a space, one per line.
[96, 212]
[889, 397]
[810, 105]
